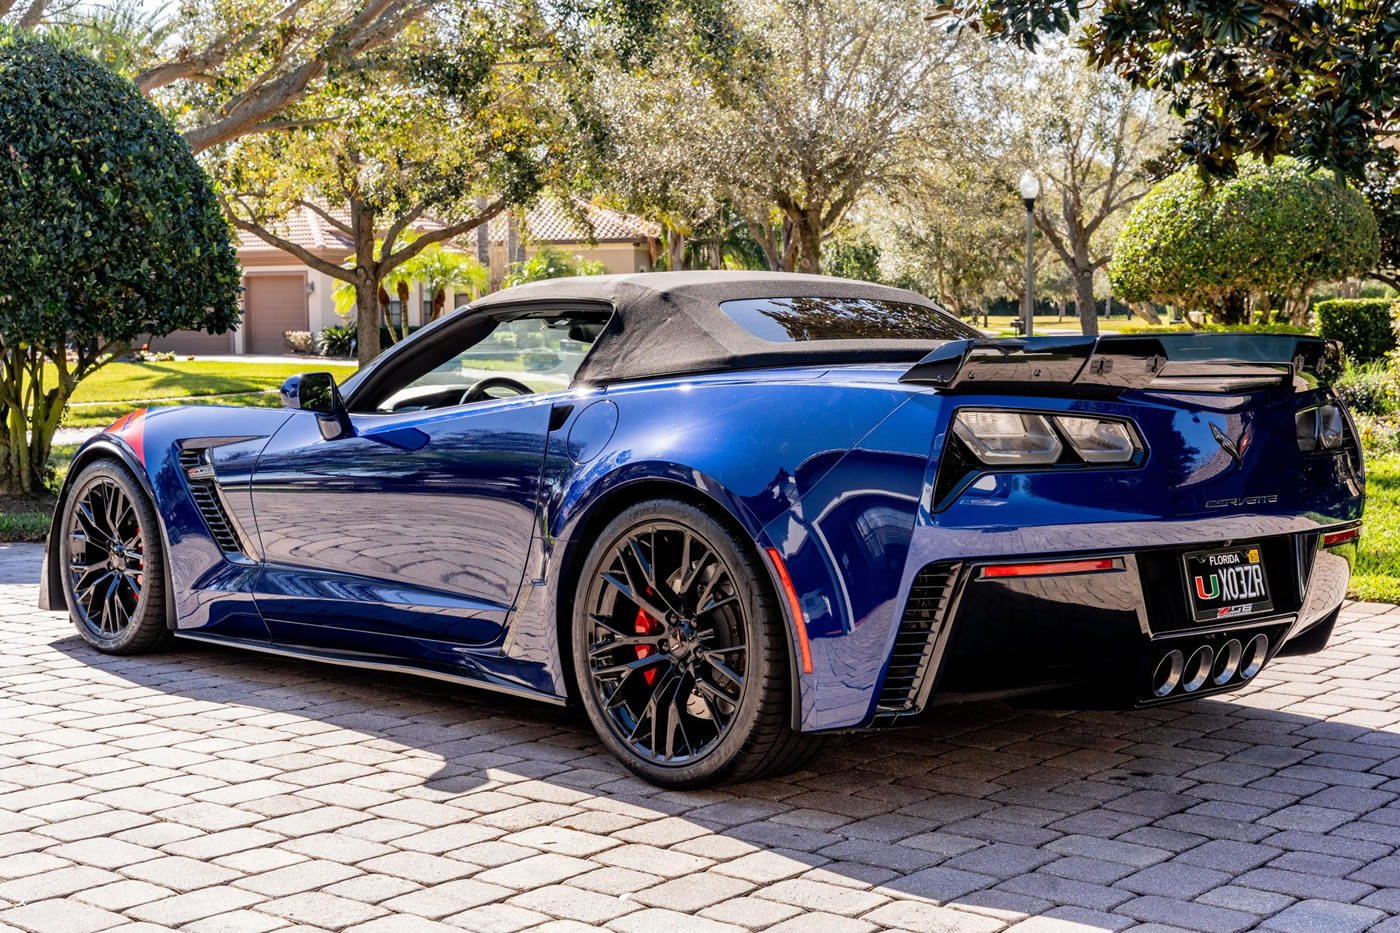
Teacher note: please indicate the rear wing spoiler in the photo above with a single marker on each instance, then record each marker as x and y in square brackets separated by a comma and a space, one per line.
[1215, 363]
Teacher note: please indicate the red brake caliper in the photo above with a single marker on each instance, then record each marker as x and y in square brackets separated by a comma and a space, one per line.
[646, 625]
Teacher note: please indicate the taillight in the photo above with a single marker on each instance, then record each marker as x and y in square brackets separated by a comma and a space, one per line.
[1008, 437]
[1338, 538]
[1097, 440]
[1320, 428]
[1022, 438]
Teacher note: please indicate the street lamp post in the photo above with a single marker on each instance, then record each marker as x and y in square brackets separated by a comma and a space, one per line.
[1030, 190]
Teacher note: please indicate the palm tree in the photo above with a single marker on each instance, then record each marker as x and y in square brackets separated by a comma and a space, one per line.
[442, 269]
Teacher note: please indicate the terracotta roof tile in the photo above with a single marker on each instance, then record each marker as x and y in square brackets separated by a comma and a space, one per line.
[548, 222]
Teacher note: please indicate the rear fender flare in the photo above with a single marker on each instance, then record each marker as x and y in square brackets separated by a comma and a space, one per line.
[637, 482]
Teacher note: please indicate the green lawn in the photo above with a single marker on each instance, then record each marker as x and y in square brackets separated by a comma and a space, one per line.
[99, 416]
[1377, 574]
[117, 382]
[124, 386]
[1000, 324]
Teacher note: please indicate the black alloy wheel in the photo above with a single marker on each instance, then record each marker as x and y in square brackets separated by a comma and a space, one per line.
[679, 650]
[111, 561]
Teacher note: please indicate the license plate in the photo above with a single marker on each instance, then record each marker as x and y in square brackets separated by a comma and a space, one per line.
[1226, 583]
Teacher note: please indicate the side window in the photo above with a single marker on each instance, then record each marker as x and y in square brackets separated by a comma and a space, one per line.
[537, 352]
[506, 358]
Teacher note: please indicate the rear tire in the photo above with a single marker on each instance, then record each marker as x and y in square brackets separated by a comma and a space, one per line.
[680, 651]
[111, 560]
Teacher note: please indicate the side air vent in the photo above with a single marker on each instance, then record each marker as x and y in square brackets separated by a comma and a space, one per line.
[204, 490]
[901, 695]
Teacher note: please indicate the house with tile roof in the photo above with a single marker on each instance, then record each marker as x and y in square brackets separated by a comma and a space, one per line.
[283, 294]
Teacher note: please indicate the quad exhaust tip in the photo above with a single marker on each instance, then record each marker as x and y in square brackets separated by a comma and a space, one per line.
[1232, 662]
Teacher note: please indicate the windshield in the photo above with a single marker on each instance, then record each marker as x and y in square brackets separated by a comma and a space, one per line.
[790, 320]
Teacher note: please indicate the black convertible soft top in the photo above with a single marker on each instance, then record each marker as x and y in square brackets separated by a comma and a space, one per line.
[671, 323]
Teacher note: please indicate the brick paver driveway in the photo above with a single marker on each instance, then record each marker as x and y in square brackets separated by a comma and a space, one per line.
[214, 790]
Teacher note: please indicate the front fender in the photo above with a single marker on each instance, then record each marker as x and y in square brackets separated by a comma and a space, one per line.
[122, 441]
[148, 443]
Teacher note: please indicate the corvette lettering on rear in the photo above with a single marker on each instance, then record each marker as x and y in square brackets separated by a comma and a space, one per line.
[1245, 500]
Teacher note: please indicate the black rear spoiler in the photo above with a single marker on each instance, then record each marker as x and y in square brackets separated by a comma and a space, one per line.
[1217, 363]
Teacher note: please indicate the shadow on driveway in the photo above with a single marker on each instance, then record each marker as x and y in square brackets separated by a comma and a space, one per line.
[1206, 816]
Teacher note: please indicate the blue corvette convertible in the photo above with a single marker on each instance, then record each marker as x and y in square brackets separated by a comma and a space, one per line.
[729, 512]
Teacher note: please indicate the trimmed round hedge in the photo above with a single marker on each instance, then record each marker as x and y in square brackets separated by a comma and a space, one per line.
[1273, 229]
[109, 229]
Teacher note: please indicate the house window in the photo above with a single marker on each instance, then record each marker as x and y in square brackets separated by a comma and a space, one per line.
[427, 307]
[396, 312]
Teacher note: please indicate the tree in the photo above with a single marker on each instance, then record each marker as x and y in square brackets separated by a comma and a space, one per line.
[1320, 79]
[852, 254]
[1270, 231]
[467, 119]
[1089, 135]
[1382, 190]
[666, 158]
[845, 95]
[109, 231]
[953, 233]
[820, 103]
[224, 69]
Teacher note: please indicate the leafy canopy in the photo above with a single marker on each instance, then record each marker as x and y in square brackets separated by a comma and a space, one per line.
[108, 228]
[1317, 79]
[1272, 229]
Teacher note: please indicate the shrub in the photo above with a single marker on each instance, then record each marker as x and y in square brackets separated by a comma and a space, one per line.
[109, 230]
[300, 341]
[1380, 434]
[1273, 229]
[337, 340]
[550, 263]
[1365, 326]
[1372, 389]
[539, 360]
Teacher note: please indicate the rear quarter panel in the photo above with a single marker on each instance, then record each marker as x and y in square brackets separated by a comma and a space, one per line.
[823, 467]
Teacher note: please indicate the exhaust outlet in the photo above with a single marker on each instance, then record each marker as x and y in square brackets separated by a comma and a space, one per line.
[1227, 661]
[1167, 673]
[1255, 654]
[1198, 668]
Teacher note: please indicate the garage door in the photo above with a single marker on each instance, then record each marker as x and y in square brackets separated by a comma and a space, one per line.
[193, 341]
[276, 304]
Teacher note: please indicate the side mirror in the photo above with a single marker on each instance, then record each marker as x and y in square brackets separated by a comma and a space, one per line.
[317, 392]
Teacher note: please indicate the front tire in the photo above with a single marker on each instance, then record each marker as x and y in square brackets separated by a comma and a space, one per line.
[680, 651]
[112, 563]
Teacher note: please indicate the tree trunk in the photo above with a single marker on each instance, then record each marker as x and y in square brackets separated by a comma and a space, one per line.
[439, 302]
[366, 284]
[938, 271]
[809, 244]
[789, 246]
[675, 250]
[1231, 309]
[1084, 299]
[366, 322]
[397, 331]
[1144, 312]
[32, 414]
